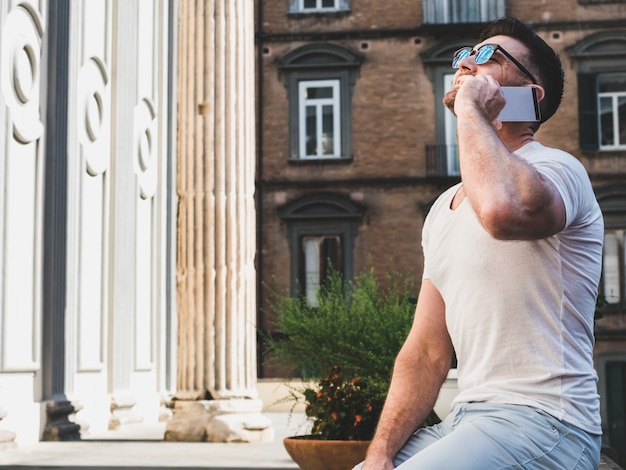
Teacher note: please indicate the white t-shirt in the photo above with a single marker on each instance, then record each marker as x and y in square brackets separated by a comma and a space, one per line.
[520, 313]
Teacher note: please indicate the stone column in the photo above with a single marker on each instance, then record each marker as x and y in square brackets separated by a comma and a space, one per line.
[216, 226]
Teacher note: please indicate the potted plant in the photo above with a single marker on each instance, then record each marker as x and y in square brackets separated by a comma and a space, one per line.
[347, 345]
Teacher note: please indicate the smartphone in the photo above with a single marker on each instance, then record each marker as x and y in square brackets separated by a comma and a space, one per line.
[521, 104]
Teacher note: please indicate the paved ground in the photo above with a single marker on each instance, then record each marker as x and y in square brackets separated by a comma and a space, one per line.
[153, 454]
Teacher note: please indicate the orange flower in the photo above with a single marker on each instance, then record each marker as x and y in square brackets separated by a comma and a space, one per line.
[357, 419]
[334, 415]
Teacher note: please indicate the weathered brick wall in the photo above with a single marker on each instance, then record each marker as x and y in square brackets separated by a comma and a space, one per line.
[393, 118]
[364, 14]
[392, 109]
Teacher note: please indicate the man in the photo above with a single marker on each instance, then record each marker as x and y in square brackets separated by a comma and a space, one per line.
[512, 264]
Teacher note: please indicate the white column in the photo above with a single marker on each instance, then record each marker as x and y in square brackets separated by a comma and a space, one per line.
[216, 288]
[217, 223]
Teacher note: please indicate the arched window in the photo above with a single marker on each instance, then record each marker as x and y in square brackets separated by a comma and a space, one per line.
[601, 63]
[321, 229]
[319, 79]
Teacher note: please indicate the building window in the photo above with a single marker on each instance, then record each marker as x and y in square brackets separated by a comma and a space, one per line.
[612, 111]
[602, 110]
[320, 255]
[451, 146]
[319, 79]
[319, 119]
[461, 11]
[314, 6]
[442, 155]
[601, 61]
[321, 231]
[613, 267]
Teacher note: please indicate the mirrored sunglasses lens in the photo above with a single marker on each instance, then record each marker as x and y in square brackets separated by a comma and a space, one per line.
[460, 55]
[484, 54]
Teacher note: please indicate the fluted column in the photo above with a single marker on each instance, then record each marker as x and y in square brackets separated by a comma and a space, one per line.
[216, 214]
[216, 192]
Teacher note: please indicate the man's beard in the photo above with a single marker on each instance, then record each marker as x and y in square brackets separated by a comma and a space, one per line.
[448, 100]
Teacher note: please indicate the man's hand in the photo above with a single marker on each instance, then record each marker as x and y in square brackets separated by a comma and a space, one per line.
[479, 92]
[374, 463]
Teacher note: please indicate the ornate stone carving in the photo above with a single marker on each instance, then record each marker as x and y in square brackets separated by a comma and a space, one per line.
[145, 147]
[94, 104]
[20, 71]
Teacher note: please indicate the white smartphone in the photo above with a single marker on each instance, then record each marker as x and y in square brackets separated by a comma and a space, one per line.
[521, 104]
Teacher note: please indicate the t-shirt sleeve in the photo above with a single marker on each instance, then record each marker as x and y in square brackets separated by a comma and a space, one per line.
[571, 181]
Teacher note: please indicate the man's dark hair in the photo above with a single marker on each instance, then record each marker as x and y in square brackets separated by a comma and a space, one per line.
[544, 61]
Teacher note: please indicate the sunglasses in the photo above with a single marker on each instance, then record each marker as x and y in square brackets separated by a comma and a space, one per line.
[484, 53]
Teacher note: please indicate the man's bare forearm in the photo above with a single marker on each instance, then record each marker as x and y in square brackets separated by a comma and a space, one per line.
[511, 199]
[411, 398]
[420, 369]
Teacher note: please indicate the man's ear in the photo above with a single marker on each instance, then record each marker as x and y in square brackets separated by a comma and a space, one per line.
[541, 93]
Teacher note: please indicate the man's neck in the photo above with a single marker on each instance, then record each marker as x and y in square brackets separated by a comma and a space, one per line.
[516, 134]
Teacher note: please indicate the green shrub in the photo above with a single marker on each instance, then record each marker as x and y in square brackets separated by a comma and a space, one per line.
[348, 342]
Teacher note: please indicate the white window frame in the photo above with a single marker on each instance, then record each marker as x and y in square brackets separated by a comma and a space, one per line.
[298, 6]
[312, 249]
[614, 97]
[319, 103]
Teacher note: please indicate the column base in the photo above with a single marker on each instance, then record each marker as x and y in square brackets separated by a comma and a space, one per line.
[7, 440]
[58, 426]
[122, 412]
[229, 420]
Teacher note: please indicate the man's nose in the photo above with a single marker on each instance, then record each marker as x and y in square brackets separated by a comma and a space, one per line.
[467, 65]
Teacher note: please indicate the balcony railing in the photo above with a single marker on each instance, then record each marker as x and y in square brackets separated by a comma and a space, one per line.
[461, 11]
[442, 160]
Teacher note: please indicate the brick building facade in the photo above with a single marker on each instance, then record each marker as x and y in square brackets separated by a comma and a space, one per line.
[354, 143]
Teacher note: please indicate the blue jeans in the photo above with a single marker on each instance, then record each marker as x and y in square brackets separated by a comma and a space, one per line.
[485, 436]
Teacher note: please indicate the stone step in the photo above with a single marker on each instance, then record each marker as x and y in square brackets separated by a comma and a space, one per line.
[158, 456]
[152, 453]
[146, 450]
[92, 455]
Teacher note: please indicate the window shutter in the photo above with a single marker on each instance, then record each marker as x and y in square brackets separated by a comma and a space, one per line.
[588, 110]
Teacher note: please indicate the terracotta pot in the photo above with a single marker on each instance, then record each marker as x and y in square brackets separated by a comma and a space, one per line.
[313, 453]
